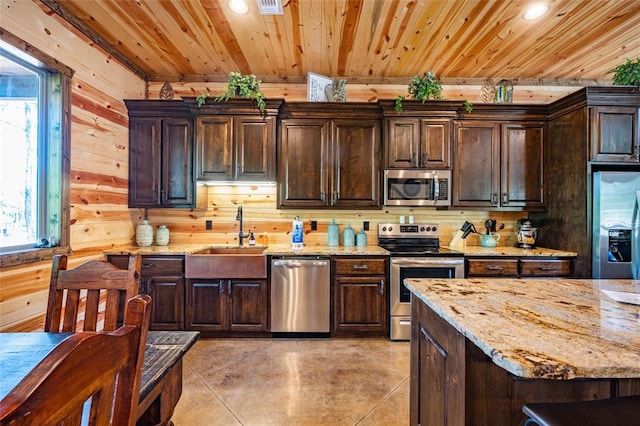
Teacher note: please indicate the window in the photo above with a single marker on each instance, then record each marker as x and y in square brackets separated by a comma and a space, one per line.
[34, 154]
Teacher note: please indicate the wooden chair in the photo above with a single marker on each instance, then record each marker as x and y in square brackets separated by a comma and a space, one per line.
[91, 376]
[64, 307]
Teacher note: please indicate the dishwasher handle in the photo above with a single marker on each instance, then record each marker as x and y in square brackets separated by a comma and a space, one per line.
[298, 263]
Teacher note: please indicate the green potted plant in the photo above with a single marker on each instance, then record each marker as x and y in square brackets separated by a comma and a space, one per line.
[627, 74]
[422, 88]
[239, 86]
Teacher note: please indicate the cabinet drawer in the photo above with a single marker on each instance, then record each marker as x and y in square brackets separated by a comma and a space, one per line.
[545, 268]
[374, 266]
[162, 265]
[492, 267]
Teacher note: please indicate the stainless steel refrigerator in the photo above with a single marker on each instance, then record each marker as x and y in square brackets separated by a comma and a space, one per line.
[616, 225]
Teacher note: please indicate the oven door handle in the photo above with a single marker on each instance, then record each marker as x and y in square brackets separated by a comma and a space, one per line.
[434, 261]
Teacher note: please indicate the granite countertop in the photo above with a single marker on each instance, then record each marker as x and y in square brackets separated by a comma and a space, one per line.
[171, 249]
[472, 251]
[275, 249]
[287, 250]
[555, 329]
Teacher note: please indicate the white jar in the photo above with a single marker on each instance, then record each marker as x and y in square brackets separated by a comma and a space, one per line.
[162, 235]
[144, 234]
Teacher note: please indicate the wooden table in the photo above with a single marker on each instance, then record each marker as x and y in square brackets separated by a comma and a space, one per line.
[161, 384]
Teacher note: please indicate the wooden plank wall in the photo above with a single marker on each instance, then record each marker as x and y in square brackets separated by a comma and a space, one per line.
[100, 218]
[259, 205]
[99, 156]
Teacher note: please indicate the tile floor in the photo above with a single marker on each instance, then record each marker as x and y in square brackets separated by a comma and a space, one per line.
[295, 382]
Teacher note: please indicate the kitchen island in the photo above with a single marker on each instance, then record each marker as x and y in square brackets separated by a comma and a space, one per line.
[480, 348]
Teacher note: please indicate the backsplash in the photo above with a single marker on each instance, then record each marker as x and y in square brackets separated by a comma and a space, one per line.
[261, 215]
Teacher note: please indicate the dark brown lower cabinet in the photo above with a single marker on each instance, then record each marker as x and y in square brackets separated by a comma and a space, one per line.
[360, 298]
[453, 382]
[523, 267]
[214, 305]
[162, 278]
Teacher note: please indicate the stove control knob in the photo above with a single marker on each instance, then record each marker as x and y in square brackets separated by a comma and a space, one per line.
[390, 228]
[384, 229]
[434, 229]
[423, 229]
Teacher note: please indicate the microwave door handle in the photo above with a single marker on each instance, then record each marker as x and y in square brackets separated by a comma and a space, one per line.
[436, 188]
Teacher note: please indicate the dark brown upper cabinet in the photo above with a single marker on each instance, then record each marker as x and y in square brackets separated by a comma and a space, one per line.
[235, 141]
[499, 158]
[329, 155]
[418, 137]
[615, 133]
[160, 154]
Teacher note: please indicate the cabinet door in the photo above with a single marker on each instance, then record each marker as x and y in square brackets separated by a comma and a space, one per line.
[144, 162]
[206, 307]
[435, 144]
[360, 303]
[303, 163]
[214, 155]
[167, 295]
[356, 164]
[615, 134]
[177, 187]
[476, 178]
[255, 148]
[247, 305]
[522, 165]
[403, 135]
[437, 370]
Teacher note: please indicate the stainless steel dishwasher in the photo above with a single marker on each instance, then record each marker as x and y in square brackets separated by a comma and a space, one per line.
[300, 295]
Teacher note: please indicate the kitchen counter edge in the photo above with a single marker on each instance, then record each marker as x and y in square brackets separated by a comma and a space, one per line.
[537, 328]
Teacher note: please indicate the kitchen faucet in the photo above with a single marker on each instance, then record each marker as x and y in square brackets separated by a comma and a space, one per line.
[241, 235]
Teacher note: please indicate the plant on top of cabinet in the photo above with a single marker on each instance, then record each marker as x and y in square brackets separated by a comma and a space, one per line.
[422, 88]
[626, 74]
[239, 86]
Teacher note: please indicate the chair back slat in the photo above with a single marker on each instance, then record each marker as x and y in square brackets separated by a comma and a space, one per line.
[71, 308]
[91, 309]
[95, 289]
[102, 370]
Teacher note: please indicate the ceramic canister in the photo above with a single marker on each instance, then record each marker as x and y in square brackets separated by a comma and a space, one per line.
[333, 234]
[348, 236]
[144, 234]
[361, 238]
[162, 235]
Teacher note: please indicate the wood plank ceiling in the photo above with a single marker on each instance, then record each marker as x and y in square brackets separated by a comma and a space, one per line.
[375, 41]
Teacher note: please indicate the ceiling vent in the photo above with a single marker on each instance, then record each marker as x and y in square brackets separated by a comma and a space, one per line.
[270, 7]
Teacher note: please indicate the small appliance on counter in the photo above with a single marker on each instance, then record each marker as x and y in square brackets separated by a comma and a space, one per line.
[526, 234]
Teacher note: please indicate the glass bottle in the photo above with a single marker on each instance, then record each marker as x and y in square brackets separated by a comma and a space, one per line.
[144, 234]
[162, 235]
[361, 238]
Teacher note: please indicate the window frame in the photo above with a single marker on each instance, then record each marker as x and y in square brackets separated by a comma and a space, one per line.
[19, 47]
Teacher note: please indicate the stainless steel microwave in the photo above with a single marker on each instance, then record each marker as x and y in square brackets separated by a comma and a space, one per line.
[420, 188]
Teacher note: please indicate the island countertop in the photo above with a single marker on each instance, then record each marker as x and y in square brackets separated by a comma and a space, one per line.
[554, 329]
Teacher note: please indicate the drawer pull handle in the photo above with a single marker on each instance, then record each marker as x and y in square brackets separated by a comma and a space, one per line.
[148, 265]
[356, 267]
[547, 268]
[494, 268]
[381, 287]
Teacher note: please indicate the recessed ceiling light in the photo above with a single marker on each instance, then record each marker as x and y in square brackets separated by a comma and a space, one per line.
[239, 6]
[536, 10]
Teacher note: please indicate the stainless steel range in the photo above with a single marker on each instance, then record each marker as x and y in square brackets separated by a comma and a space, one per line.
[415, 253]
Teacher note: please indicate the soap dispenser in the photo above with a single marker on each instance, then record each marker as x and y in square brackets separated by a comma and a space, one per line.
[349, 236]
[333, 234]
